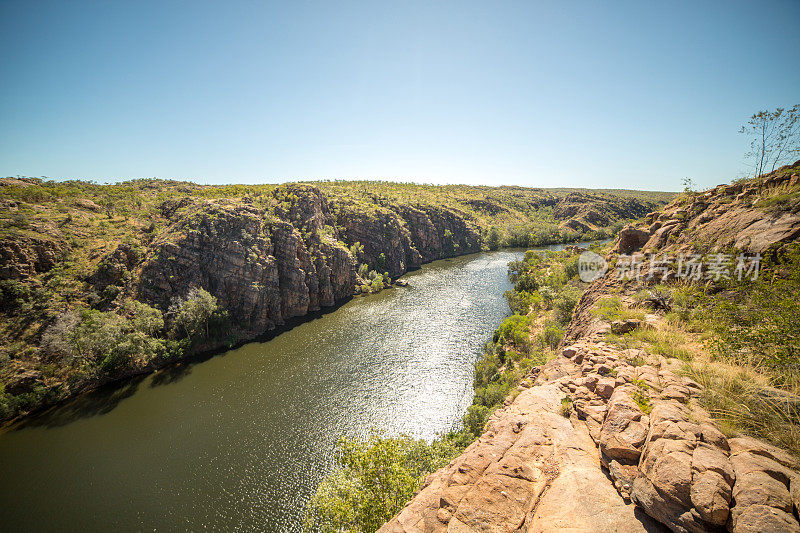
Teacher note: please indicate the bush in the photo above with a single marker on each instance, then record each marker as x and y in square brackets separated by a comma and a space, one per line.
[564, 306]
[550, 336]
[192, 314]
[376, 477]
[476, 418]
[106, 339]
[520, 302]
[516, 330]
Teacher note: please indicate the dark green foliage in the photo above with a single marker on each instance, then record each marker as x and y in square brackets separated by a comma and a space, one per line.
[493, 238]
[550, 336]
[564, 306]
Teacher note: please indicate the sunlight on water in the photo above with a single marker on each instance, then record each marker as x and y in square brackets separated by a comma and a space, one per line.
[241, 440]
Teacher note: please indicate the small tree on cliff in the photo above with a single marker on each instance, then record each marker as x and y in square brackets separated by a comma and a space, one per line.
[192, 313]
[774, 138]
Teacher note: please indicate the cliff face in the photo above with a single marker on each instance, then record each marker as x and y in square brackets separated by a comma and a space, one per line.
[265, 270]
[76, 250]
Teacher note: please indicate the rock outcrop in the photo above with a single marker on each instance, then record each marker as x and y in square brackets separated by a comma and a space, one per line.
[750, 216]
[23, 258]
[531, 470]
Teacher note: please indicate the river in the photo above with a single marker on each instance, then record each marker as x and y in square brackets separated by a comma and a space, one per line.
[240, 440]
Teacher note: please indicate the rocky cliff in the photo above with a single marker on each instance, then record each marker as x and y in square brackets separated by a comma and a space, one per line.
[749, 215]
[78, 260]
[265, 270]
[634, 451]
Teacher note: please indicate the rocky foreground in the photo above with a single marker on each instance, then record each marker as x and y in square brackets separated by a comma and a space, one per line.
[631, 450]
[603, 438]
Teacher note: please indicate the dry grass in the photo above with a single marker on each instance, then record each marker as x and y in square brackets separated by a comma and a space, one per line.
[739, 396]
[737, 392]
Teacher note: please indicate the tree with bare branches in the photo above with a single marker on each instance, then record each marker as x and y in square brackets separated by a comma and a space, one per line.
[774, 138]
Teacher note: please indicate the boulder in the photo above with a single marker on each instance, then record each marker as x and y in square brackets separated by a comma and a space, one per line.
[620, 327]
[631, 239]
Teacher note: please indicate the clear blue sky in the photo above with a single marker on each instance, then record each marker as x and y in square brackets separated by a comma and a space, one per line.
[565, 93]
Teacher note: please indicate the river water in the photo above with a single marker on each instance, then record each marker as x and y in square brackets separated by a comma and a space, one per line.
[241, 440]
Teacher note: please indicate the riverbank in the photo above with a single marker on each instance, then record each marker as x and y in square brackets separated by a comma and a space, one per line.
[375, 478]
[674, 396]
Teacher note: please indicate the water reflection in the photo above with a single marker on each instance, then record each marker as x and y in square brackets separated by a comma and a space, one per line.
[240, 440]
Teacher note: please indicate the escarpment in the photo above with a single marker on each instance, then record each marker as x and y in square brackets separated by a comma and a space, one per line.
[265, 270]
[749, 215]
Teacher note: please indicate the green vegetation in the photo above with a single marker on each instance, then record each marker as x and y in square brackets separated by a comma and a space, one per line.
[610, 309]
[378, 476]
[81, 229]
[641, 396]
[671, 343]
[566, 406]
[375, 478]
[84, 346]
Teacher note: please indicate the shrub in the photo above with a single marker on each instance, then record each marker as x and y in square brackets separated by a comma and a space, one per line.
[515, 329]
[476, 417]
[566, 406]
[551, 335]
[375, 478]
[192, 314]
[564, 306]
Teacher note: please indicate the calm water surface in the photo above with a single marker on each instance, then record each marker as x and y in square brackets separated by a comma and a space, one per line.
[241, 440]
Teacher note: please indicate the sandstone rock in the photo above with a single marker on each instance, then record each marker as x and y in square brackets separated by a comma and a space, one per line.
[711, 497]
[707, 457]
[22, 257]
[711, 435]
[23, 382]
[620, 327]
[631, 239]
[88, 205]
[622, 433]
[757, 447]
[747, 462]
[666, 510]
[762, 519]
[605, 387]
[569, 353]
[759, 488]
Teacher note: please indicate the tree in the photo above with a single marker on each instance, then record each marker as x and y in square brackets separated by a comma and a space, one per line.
[774, 138]
[192, 313]
[376, 477]
[493, 239]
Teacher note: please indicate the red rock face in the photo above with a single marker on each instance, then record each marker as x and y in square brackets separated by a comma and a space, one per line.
[265, 271]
